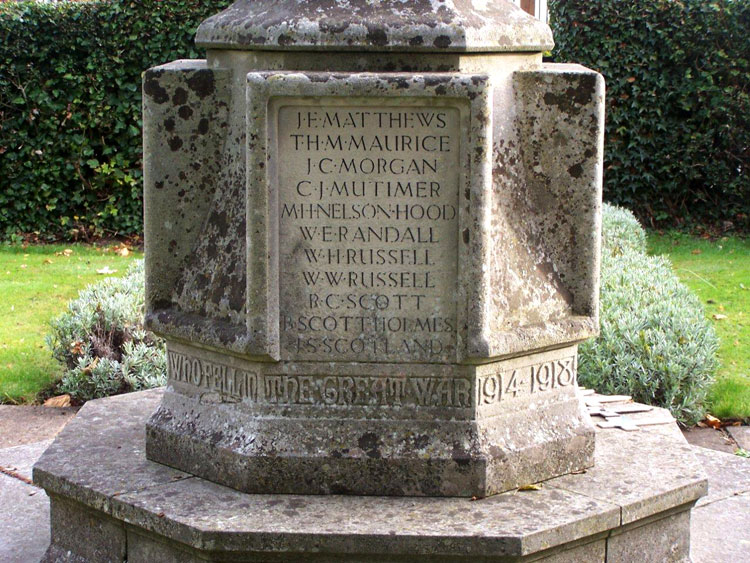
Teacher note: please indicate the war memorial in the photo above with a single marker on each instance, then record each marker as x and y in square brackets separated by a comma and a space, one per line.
[372, 246]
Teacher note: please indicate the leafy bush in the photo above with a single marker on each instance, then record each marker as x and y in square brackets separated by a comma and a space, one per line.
[70, 108]
[102, 343]
[678, 106]
[655, 342]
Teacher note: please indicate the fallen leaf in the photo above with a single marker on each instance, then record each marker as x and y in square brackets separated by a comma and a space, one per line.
[23, 266]
[719, 317]
[67, 252]
[712, 421]
[90, 368]
[721, 307]
[535, 487]
[710, 301]
[631, 79]
[47, 261]
[59, 401]
[106, 270]
[696, 251]
[742, 286]
[76, 347]
[124, 251]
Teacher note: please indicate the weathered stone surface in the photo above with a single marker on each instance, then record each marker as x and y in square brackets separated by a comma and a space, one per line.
[26, 424]
[665, 539]
[80, 534]
[114, 459]
[473, 431]
[188, 517]
[729, 475]
[719, 530]
[20, 459]
[357, 25]
[22, 503]
[641, 484]
[433, 258]
[741, 435]
[710, 438]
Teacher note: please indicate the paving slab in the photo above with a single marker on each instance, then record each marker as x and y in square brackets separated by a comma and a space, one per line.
[721, 531]
[728, 474]
[24, 521]
[20, 459]
[741, 435]
[710, 438]
[23, 424]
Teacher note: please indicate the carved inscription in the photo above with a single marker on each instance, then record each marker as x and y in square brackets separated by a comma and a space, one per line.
[527, 380]
[211, 376]
[322, 390]
[368, 219]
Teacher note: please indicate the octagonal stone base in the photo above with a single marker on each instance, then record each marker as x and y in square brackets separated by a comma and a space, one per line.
[446, 430]
[109, 503]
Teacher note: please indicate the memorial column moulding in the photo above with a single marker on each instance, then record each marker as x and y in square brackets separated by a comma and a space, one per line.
[372, 245]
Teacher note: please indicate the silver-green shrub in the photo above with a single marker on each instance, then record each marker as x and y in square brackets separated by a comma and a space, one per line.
[655, 342]
[102, 343]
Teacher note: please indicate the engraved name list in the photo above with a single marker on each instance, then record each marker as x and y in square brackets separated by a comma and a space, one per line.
[368, 215]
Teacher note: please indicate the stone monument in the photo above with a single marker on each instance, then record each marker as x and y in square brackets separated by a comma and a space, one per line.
[372, 239]
[372, 246]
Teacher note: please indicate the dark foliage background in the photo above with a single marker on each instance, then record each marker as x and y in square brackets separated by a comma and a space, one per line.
[678, 107]
[678, 103]
[70, 109]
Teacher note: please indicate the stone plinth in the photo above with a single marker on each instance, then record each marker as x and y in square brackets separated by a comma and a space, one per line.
[372, 245]
[109, 503]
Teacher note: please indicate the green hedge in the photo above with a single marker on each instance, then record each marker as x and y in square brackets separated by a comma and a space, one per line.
[70, 108]
[678, 102]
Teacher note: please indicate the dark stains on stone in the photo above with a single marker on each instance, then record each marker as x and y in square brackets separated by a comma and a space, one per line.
[180, 96]
[169, 124]
[202, 83]
[285, 40]
[369, 442]
[460, 456]
[442, 42]
[421, 441]
[332, 26]
[579, 95]
[203, 126]
[466, 236]
[377, 36]
[185, 112]
[576, 170]
[400, 82]
[417, 40]
[340, 489]
[441, 90]
[153, 89]
[175, 143]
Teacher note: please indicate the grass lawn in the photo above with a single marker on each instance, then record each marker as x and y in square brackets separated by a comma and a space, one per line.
[36, 284]
[718, 272]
